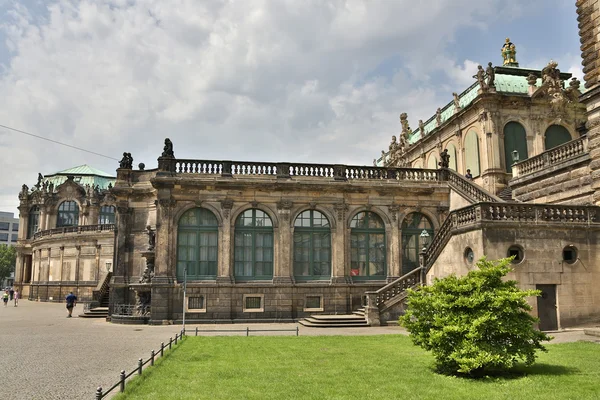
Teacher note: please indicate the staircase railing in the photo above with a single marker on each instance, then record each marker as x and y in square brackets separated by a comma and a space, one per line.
[473, 192]
[102, 288]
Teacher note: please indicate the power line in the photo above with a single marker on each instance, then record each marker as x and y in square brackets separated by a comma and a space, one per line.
[57, 142]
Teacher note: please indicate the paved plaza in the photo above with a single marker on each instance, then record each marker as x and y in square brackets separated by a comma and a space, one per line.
[45, 355]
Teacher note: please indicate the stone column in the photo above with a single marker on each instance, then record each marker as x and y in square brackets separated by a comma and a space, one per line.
[43, 218]
[225, 273]
[163, 240]
[164, 287]
[119, 292]
[340, 273]
[282, 272]
[394, 245]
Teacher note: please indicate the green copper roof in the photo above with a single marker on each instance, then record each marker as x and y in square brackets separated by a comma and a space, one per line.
[83, 175]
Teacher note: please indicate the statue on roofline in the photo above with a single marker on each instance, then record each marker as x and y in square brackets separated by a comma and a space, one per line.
[168, 149]
[491, 76]
[509, 53]
[480, 76]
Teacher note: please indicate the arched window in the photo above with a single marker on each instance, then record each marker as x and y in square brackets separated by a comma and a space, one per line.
[367, 246]
[253, 255]
[418, 164]
[432, 162]
[472, 153]
[452, 153]
[312, 246]
[33, 223]
[515, 138]
[197, 244]
[412, 227]
[555, 136]
[107, 215]
[68, 214]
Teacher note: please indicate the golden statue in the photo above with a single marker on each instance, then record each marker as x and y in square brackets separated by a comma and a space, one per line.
[509, 53]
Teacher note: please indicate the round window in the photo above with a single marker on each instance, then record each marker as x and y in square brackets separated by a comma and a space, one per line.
[516, 252]
[569, 254]
[469, 255]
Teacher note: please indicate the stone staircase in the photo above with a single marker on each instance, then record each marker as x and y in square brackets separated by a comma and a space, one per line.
[355, 320]
[99, 307]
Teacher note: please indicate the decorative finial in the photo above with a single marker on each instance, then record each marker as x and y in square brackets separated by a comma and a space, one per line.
[509, 54]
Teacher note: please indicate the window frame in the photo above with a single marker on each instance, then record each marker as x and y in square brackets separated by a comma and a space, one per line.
[74, 214]
[198, 230]
[33, 227]
[408, 232]
[311, 231]
[103, 214]
[240, 231]
[354, 232]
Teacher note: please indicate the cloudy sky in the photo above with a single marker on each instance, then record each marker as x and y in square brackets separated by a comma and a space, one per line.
[280, 80]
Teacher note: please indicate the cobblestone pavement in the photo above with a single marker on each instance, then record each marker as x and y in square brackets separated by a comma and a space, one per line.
[45, 355]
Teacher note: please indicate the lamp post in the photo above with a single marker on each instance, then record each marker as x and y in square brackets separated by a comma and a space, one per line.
[424, 242]
[515, 156]
[184, 290]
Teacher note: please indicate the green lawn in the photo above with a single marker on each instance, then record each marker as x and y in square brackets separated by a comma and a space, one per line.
[351, 367]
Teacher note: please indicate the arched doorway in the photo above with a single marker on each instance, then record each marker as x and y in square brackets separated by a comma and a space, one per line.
[555, 136]
[515, 138]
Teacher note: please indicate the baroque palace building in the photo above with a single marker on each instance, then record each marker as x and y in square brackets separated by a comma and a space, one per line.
[279, 241]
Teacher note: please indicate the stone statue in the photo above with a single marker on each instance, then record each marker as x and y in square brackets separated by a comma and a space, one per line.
[126, 162]
[480, 76]
[509, 53]
[531, 79]
[45, 187]
[552, 83]
[148, 273]
[24, 191]
[438, 116]
[374, 162]
[141, 166]
[151, 237]
[573, 89]
[110, 186]
[456, 101]
[40, 178]
[393, 145]
[168, 149]
[142, 304]
[383, 157]
[422, 128]
[445, 156]
[406, 131]
[491, 76]
[51, 187]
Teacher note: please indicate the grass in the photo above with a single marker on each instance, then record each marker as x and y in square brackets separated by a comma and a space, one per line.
[352, 367]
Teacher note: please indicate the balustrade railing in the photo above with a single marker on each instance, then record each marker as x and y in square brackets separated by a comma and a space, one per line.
[551, 157]
[124, 309]
[74, 229]
[508, 212]
[290, 170]
[475, 192]
[397, 287]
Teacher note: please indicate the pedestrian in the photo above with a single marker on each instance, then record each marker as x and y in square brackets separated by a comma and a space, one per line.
[71, 302]
[12, 293]
[16, 298]
[468, 175]
[5, 298]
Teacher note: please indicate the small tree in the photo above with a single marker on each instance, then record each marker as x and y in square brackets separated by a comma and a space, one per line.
[8, 257]
[475, 324]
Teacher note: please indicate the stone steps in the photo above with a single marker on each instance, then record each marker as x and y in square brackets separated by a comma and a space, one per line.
[355, 320]
[96, 312]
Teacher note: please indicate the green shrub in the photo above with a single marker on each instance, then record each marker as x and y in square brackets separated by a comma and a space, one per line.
[476, 324]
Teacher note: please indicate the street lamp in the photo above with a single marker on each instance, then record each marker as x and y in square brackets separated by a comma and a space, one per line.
[515, 156]
[424, 242]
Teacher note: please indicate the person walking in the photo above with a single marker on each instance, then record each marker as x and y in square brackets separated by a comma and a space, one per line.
[16, 297]
[11, 292]
[5, 298]
[71, 302]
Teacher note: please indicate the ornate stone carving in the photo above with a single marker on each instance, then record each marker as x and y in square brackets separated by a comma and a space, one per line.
[126, 162]
[24, 192]
[168, 149]
[406, 131]
[422, 128]
[491, 76]
[340, 209]
[254, 203]
[167, 203]
[445, 159]
[151, 237]
[532, 79]
[438, 117]
[393, 209]
[480, 76]
[226, 206]
[284, 204]
[456, 102]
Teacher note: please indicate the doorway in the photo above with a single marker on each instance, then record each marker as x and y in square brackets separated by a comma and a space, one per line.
[546, 304]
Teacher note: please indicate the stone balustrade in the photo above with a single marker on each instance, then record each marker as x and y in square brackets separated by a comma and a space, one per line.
[474, 192]
[551, 157]
[291, 170]
[74, 229]
[508, 213]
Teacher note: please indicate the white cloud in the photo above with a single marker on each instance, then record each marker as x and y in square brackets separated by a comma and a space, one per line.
[278, 80]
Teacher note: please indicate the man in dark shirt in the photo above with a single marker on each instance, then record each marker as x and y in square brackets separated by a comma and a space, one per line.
[468, 175]
[71, 302]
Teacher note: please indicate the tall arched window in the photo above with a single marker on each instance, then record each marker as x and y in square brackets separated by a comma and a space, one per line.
[68, 214]
[33, 223]
[452, 153]
[472, 153]
[515, 138]
[367, 246]
[432, 162]
[253, 255]
[107, 215]
[555, 136]
[312, 246]
[412, 227]
[197, 244]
